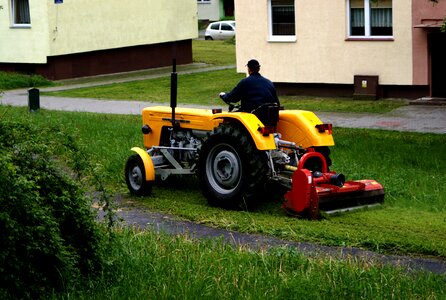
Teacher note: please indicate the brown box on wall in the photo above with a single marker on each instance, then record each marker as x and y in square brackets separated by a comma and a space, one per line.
[365, 87]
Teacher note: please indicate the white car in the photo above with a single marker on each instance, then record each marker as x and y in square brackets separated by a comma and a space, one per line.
[220, 30]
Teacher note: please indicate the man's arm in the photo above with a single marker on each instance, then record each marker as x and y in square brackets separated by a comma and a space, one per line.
[234, 95]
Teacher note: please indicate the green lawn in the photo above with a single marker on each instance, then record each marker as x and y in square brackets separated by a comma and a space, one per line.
[147, 265]
[9, 81]
[219, 53]
[409, 165]
[199, 88]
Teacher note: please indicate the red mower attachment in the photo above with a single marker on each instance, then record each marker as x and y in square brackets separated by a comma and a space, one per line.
[312, 192]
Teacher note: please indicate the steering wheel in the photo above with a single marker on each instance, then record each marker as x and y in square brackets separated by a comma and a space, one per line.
[231, 106]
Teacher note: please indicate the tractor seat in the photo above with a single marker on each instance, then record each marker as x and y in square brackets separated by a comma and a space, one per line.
[268, 114]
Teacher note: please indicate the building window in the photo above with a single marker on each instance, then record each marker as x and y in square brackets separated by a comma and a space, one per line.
[282, 24]
[370, 18]
[20, 13]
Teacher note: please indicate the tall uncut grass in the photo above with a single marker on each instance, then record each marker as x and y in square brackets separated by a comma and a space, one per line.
[146, 265]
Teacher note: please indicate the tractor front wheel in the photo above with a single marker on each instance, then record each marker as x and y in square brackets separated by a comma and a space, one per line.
[231, 169]
[135, 177]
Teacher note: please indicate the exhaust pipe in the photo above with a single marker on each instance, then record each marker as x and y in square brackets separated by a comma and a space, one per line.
[173, 90]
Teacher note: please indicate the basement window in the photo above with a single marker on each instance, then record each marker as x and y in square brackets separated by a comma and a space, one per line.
[20, 13]
[370, 18]
[282, 20]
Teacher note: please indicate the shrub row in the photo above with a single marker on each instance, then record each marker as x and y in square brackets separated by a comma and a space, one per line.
[48, 233]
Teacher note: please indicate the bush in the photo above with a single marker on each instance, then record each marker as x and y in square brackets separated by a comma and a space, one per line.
[10, 81]
[48, 233]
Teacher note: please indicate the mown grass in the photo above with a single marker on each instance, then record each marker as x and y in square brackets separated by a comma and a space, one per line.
[199, 88]
[147, 265]
[341, 104]
[409, 165]
[218, 53]
[203, 89]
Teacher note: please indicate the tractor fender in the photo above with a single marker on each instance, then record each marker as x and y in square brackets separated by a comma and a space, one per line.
[252, 124]
[149, 168]
[300, 127]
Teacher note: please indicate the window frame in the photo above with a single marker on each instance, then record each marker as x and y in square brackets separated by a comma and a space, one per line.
[367, 25]
[13, 16]
[279, 38]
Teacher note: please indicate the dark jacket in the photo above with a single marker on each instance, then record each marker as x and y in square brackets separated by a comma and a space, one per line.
[253, 91]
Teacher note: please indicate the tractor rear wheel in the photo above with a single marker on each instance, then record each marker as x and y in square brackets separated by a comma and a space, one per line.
[135, 177]
[231, 170]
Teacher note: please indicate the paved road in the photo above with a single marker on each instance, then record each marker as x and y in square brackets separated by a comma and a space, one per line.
[415, 118]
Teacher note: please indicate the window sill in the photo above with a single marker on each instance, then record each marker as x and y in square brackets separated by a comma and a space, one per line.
[282, 39]
[368, 39]
[18, 26]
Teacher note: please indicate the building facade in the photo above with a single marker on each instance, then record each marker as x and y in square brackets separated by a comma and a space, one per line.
[72, 38]
[386, 48]
[215, 10]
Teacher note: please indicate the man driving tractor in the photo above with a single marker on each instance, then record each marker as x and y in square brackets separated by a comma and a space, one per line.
[253, 91]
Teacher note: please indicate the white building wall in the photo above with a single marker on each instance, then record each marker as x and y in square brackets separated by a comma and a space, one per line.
[209, 10]
[321, 53]
[24, 44]
[83, 25]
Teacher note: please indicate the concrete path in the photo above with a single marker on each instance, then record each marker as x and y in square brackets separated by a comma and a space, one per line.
[415, 118]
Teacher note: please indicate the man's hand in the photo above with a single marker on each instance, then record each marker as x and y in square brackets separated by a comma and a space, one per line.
[222, 94]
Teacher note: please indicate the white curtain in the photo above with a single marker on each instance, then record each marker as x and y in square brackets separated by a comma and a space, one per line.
[357, 17]
[381, 17]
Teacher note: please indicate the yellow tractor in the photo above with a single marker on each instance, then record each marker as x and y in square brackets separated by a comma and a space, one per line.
[238, 155]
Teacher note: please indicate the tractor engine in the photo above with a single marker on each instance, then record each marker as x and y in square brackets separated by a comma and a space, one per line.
[286, 153]
[183, 140]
